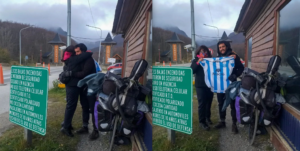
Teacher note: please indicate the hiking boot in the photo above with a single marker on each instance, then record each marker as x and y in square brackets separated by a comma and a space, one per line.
[67, 132]
[209, 121]
[83, 130]
[94, 135]
[204, 126]
[70, 128]
[220, 125]
[234, 129]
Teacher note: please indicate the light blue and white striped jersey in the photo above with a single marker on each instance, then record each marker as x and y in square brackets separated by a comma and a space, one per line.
[217, 71]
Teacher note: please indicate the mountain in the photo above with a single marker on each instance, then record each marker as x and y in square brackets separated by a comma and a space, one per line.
[58, 30]
[176, 30]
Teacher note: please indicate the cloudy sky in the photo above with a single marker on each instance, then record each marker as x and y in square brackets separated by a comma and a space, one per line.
[224, 15]
[53, 13]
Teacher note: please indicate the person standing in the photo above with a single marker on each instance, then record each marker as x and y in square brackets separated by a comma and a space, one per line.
[224, 50]
[72, 63]
[204, 94]
[88, 67]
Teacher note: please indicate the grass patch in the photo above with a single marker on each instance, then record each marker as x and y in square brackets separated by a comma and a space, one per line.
[53, 140]
[199, 140]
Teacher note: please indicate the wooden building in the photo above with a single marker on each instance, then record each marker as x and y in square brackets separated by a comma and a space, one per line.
[108, 44]
[175, 54]
[272, 27]
[54, 56]
[133, 19]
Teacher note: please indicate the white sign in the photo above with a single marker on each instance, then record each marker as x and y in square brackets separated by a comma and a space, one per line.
[112, 60]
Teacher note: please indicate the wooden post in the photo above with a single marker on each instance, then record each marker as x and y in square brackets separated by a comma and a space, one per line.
[28, 136]
[171, 136]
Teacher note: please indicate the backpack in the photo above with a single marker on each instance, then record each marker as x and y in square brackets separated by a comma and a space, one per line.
[63, 79]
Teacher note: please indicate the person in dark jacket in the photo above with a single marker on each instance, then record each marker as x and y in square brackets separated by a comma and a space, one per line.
[204, 94]
[72, 65]
[87, 67]
[224, 50]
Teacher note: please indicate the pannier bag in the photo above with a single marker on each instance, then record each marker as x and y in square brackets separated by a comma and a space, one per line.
[243, 111]
[104, 119]
[265, 119]
[128, 128]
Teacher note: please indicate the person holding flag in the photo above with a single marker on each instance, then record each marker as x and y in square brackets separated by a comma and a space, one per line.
[204, 94]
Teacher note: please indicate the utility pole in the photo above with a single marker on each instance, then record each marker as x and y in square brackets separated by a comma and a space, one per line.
[20, 44]
[69, 24]
[193, 29]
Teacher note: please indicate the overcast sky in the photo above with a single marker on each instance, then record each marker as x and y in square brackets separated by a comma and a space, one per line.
[224, 15]
[53, 13]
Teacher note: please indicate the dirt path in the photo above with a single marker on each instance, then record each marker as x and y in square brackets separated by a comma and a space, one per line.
[239, 142]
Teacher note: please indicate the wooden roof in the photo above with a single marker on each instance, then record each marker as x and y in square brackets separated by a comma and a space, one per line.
[56, 40]
[116, 55]
[124, 14]
[248, 13]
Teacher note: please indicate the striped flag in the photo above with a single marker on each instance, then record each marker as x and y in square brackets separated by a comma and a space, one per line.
[217, 71]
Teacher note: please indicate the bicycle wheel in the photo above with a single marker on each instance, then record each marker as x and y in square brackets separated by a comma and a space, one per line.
[253, 127]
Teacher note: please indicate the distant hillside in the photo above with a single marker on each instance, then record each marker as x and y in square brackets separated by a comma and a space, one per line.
[34, 40]
[176, 30]
[58, 30]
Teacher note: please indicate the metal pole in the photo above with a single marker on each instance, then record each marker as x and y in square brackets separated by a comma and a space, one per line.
[100, 41]
[193, 28]
[69, 24]
[100, 47]
[21, 43]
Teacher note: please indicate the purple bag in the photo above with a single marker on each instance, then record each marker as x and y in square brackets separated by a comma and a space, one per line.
[96, 113]
[243, 111]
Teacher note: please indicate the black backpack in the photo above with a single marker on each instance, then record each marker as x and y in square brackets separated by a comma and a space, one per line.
[63, 79]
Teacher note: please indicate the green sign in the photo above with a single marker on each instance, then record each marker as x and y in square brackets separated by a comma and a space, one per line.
[172, 98]
[28, 98]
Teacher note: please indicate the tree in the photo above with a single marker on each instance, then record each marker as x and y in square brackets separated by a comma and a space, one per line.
[4, 56]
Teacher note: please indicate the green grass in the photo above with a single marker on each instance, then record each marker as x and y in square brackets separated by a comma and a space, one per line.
[53, 140]
[199, 140]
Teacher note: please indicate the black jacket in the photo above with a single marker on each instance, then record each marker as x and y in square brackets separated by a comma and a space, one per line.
[73, 64]
[87, 67]
[238, 67]
[199, 74]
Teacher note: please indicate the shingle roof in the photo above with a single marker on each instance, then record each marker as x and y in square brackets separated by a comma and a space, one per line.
[47, 54]
[165, 53]
[225, 37]
[108, 40]
[56, 40]
[174, 39]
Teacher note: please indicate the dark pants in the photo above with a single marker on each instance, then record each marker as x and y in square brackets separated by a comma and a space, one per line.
[222, 114]
[205, 97]
[72, 100]
[92, 101]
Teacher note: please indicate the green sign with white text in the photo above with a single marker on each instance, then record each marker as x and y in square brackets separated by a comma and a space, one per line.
[173, 98]
[28, 98]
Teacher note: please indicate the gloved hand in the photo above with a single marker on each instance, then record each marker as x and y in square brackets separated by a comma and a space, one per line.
[68, 73]
[232, 77]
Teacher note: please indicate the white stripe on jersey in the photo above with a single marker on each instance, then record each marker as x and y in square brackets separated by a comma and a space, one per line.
[217, 71]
